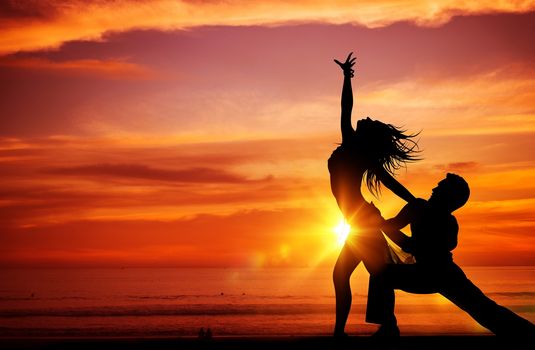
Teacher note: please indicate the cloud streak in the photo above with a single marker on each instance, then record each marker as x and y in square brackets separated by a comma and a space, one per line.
[57, 179]
[107, 69]
[139, 171]
[34, 25]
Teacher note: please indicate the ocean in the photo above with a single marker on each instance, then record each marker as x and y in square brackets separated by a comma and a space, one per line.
[169, 302]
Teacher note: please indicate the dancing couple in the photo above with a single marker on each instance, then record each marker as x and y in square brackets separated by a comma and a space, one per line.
[372, 152]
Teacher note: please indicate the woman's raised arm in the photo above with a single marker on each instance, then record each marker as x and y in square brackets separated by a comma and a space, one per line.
[347, 98]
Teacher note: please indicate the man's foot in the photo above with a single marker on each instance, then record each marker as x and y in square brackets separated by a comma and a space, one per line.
[387, 332]
[340, 335]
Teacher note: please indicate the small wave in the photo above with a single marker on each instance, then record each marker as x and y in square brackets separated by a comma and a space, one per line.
[161, 297]
[18, 298]
[226, 295]
[226, 309]
[172, 310]
[513, 294]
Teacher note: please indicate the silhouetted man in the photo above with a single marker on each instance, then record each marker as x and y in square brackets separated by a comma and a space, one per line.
[434, 235]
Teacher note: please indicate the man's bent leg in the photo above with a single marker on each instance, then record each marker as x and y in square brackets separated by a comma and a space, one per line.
[496, 318]
[412, 278]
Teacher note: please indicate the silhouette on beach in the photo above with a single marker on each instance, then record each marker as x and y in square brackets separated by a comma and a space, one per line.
[204, 335]
[434, 232]
[372, 153]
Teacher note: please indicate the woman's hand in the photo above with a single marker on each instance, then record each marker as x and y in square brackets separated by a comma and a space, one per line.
[347, 66]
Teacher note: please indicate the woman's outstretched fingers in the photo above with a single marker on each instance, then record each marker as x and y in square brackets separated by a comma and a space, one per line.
[348, 60]
[347, 66]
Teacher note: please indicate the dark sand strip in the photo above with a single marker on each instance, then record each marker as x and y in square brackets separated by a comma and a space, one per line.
[276, 343]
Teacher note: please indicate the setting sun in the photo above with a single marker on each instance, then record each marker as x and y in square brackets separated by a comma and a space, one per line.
[342, 231]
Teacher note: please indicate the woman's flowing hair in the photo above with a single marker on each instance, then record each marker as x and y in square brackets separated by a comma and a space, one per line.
[388, 148]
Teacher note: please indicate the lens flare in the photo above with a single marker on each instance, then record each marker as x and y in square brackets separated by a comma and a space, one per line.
[342, 231]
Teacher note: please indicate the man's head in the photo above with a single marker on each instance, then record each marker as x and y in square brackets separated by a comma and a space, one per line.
[450, 193]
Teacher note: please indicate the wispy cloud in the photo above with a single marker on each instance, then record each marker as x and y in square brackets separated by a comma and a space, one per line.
[462, 167]
[33, 25]
[140, 171]
[493, 102]
[107, 69]
[57, 179]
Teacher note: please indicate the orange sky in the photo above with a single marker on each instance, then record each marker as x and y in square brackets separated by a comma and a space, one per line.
[196, 133]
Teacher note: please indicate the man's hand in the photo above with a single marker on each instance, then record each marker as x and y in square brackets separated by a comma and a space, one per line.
[408, 245]
[377, 212]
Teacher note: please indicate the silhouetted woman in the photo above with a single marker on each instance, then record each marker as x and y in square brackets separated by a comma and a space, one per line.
[372, 152]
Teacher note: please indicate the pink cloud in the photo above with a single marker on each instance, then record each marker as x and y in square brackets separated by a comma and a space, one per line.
[104, 69]
[45, 24]
[139, 171]
[458, 167]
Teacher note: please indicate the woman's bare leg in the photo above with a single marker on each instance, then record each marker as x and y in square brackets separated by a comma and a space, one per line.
[345, 265]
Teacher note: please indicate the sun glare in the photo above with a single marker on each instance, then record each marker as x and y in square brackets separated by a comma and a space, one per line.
[342, 231]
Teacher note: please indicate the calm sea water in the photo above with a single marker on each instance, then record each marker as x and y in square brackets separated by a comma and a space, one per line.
[177, 302]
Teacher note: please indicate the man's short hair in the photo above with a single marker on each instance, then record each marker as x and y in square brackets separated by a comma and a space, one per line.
[460, 192]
